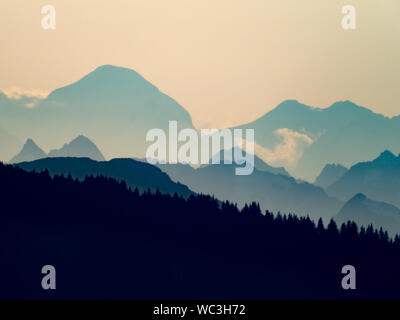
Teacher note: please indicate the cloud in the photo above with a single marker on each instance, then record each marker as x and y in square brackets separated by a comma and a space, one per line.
[17, 93]
[31, 104]
[288, 152]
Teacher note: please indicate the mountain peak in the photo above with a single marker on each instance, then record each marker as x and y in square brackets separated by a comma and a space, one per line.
[111, 69]
[359, 197]
[81, 139]
[386, 156]
[30, 143]
[105, 84]
[365, 211]
[347, 107]
[344, 104]
[291, 104]
[330, 174]
[79, 147]
[30, 151]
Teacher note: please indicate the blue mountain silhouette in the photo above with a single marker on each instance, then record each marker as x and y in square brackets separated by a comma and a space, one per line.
[113, 105]
[330, 174]
[378, 179]
[79, 147]
[277, 192]
[30, 151]
[343, 133]
[365, 211]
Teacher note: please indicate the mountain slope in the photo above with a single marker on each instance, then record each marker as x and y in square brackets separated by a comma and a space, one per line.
[136, 174]
[273, 191]
[79, 147]
[30, 151]
[378, 179]
[343, 133]
[365, 211]
[258, 163]
[330, 174]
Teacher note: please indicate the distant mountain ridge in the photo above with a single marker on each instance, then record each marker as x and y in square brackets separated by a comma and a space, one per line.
[378, 179]
[276, 192]
[257, 162]
[342, 133]
[330, 174]
[116, 106]
[365, 211]
[79, 147]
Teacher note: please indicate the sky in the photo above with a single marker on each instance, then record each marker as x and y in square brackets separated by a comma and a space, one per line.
[226, 61]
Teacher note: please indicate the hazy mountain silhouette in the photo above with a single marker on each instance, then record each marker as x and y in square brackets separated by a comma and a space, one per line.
[114, 105]
[276, 192]
[343, 133]
[135, 173]
[330, 174]
[30, 151]
[258, 163]
[365, 211]
[79, 147]
[106, 241]
[378, 179]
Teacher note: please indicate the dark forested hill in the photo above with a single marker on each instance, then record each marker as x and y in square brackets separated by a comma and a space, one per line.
[106, 241]
[136, 174]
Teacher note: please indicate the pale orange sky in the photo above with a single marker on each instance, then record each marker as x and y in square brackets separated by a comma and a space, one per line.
[226, 61]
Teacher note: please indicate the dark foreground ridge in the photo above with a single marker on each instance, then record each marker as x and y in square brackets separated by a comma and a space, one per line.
[107, 241]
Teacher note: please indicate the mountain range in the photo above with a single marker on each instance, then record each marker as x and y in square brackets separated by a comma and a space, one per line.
[79, 147]
[378, 179]
[107, 242]
[275, 192]
[117, 106]
[343, 133]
